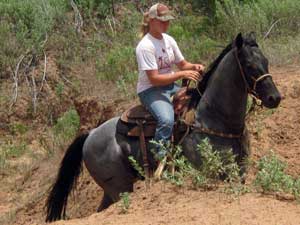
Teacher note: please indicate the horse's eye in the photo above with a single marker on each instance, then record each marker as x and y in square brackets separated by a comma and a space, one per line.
[251, 65]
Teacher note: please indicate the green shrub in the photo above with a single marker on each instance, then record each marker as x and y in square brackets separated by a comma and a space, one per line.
[66, 126]
[11, 150]
[99, 8]
[119, 63]
[25, 25]
[271, 176]
[136, 166]
[18, 128]
[214, 165]
[124, 202]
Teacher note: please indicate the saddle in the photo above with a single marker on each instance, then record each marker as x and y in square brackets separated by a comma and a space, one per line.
[139, 119]
[138, 122]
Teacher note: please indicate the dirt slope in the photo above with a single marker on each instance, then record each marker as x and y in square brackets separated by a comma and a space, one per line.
[271, 130]
[165, 204]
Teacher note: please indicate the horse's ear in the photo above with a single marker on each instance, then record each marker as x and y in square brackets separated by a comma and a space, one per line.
[239, 41]
[252, 36]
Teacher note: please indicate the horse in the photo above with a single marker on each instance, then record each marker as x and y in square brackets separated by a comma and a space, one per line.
[220, 114]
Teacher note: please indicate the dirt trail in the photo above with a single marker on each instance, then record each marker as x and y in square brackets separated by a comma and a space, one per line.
[276, 130]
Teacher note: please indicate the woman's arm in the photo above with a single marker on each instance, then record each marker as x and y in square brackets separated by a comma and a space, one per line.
[185, 65]
[157, 79]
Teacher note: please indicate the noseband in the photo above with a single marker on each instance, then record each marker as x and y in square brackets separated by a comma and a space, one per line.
[248, 88]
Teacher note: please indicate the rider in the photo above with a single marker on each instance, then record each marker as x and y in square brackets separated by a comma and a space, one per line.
[156, 53]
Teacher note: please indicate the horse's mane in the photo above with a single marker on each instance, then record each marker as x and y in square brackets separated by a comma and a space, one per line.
[195, 97]
[212, 67]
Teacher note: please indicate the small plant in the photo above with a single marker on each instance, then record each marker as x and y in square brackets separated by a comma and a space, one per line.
[180, 167]
[215, 164]
[124, 202]
[136, 166]
[11, 150]
[272, 178]
[18, 128]
[66, 126]
[59, 89]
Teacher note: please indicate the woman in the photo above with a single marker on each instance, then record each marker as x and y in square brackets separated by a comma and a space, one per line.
[156, 53]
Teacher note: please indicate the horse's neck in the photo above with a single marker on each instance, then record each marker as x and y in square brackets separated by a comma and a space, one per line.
[223, 105]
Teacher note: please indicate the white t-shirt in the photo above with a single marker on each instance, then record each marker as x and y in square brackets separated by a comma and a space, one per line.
[155, 54]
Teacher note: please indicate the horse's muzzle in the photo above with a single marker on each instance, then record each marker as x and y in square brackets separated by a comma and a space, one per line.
[272, 100]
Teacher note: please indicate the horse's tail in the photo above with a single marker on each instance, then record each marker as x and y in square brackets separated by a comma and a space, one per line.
[67, 176]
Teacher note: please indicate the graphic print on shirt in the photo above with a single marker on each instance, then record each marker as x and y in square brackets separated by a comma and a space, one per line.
[164, 61]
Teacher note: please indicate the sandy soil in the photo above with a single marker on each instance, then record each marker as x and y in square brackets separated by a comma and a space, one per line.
[162, 203]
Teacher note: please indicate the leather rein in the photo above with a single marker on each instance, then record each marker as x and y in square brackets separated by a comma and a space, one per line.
[252, 91]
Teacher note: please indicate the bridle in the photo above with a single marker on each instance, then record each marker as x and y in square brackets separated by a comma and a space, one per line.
[255, 80]
[250, 90]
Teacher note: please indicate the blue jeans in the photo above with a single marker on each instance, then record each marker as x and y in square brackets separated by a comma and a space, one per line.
[157, 101]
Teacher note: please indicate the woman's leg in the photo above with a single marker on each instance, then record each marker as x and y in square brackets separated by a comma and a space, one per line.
[157, 101]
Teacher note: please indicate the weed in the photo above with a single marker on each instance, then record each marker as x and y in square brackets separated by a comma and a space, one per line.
[10, 150]
[272, 178]
[214, 165]
[124, 202]
[66, 126]
[18, 128]
[59, 89]
[136, 166]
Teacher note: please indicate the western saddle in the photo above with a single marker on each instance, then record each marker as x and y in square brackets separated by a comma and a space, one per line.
[142, 124]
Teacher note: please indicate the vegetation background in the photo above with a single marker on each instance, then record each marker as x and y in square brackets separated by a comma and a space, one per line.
[53, 52]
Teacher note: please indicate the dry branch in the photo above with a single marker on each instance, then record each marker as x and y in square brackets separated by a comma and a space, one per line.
[44, 74]
[34, 93]
[78, 17]
[16, 79]
[269, 31]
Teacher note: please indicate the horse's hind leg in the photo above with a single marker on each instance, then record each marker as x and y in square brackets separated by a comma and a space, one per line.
[112, 191]
[105, 203]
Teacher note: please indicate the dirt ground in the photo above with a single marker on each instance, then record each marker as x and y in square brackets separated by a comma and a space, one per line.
[162, 203]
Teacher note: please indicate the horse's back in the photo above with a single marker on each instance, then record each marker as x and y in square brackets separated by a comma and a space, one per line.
[101, 136]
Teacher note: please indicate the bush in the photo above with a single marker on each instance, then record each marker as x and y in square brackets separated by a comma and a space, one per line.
[214, 165]
[66, 126]
[119, 62]
[25, 25]
[271, 176]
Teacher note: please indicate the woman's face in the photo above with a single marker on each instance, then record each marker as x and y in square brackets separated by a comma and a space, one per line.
[160, 26]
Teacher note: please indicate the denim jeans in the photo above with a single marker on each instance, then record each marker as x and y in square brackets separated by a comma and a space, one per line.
[157, 101]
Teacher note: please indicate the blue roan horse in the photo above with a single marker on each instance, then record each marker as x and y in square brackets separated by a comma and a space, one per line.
[220, 116]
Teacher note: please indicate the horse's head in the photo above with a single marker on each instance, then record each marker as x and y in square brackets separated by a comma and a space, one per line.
[254, 69]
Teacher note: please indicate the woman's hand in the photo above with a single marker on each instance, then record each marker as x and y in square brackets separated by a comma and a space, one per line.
[191, 75]
[199, 67]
